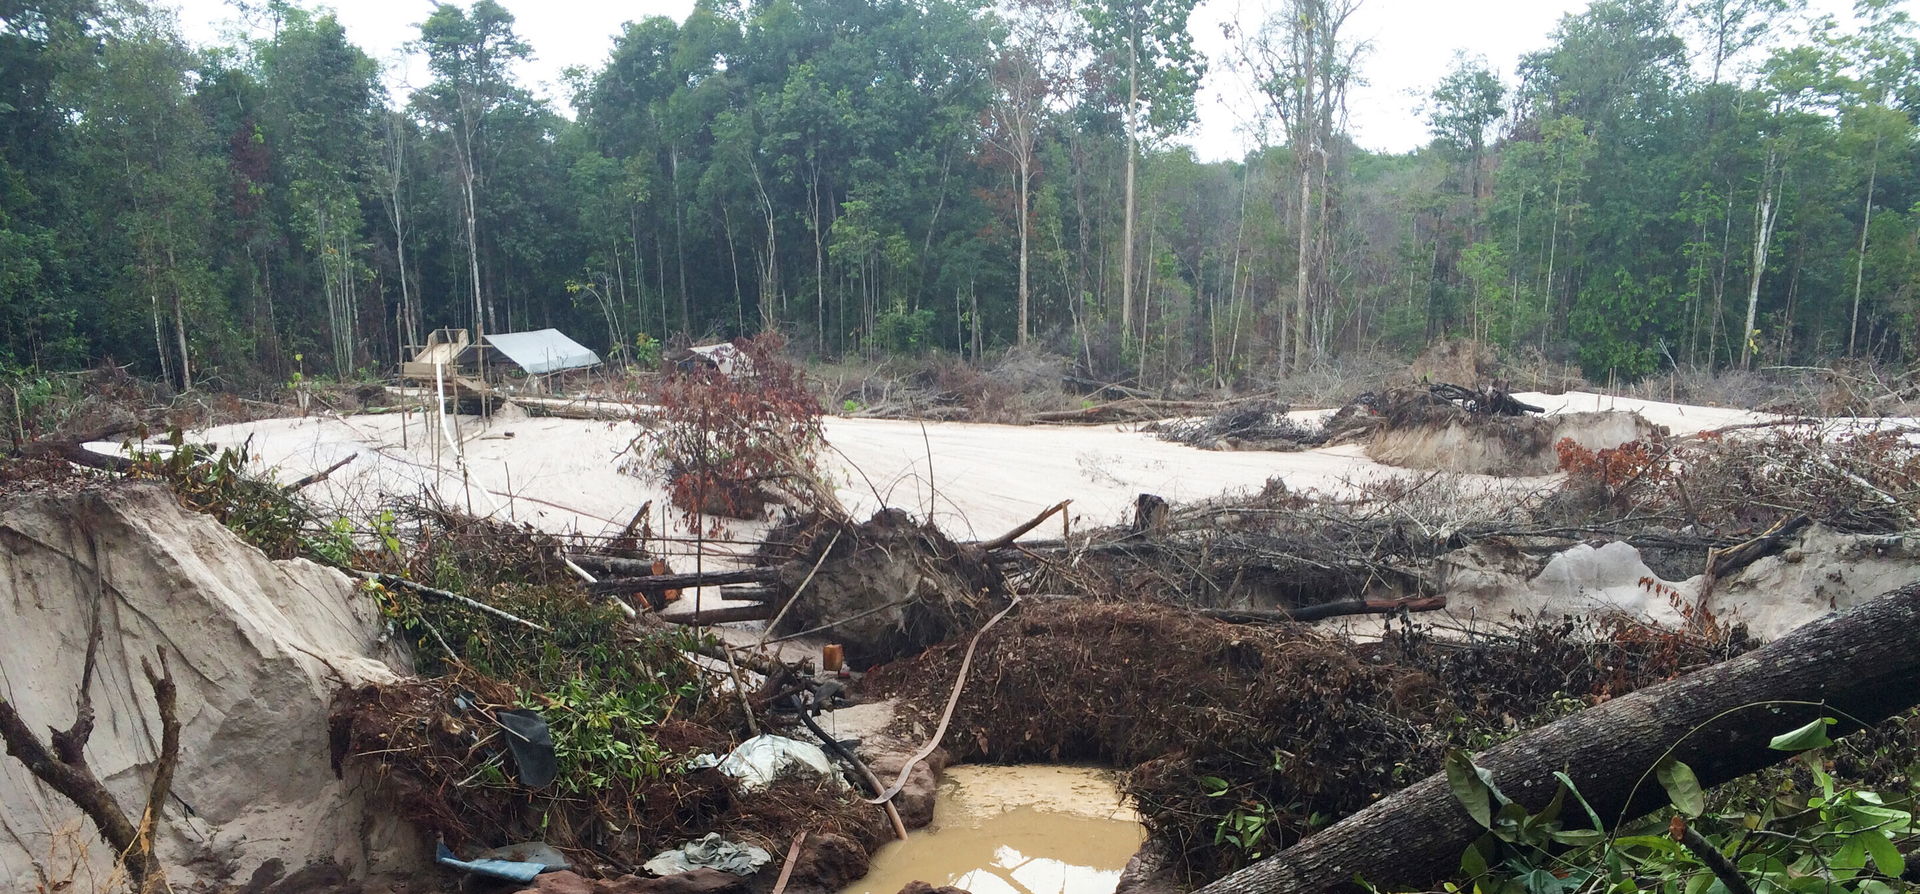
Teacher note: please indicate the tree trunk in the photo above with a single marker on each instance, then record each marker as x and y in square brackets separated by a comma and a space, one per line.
[1763, 217]
[1860, 664]
[473, 250]
[1303, 152]
[1126, 226]
[1026, 176]
[1860, 259]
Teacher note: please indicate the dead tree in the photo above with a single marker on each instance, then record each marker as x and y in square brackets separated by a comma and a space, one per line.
[61, 763]
[1858, 666]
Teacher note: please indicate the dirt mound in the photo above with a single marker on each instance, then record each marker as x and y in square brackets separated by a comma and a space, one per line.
[1422, 434]
[891, 586]
[257, 647]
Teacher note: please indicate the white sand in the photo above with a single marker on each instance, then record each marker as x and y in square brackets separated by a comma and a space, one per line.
[978, 480]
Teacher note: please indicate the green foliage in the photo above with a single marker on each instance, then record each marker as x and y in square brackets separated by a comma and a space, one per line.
[646, 350]
[602, 686]
[220, 484]
[901, 331]
[33, 403]
[841, 171]
[1824, 837]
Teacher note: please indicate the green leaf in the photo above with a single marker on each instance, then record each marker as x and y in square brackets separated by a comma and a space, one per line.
[1813, 735]
[1473, 863]
[1682, 786]
[1852, 854]
[1567, 781]
[1886, 857]
[1469, 789]
[1578, 837]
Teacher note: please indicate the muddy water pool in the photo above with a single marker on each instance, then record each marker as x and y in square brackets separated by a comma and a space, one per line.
[1028, 829]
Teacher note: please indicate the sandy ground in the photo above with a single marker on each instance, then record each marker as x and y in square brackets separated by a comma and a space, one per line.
[974, 480]
[1680, 419]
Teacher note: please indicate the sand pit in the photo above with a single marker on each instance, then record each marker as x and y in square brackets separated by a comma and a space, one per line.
[974, 480]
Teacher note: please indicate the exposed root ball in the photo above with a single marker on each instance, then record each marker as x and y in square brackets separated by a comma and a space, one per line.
[893, 586]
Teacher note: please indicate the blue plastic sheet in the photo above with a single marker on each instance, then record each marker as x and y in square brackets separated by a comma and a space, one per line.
[511, 870]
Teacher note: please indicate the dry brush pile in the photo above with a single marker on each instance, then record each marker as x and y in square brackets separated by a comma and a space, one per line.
[1857, 476]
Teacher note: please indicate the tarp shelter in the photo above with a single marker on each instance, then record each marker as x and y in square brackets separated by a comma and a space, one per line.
[541, 351]
[726, 358]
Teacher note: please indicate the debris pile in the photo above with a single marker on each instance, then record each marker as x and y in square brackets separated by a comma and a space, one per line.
[1860, 477]
[1246, 425]
[1224, 721]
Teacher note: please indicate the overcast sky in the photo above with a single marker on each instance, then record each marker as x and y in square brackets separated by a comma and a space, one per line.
[1413, 42]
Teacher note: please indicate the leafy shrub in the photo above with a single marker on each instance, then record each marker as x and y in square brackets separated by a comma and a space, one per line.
[730, 444]
[1809, 833]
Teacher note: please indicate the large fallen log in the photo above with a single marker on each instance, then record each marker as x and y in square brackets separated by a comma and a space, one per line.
[1859, 666]
[73, 448]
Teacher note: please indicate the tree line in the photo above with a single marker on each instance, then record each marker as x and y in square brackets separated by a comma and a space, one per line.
[1726, 183]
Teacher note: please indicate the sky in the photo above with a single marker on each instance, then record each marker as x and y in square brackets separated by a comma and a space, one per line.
[1412, 45]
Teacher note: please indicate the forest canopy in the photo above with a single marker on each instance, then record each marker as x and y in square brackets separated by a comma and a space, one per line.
[1713, 183]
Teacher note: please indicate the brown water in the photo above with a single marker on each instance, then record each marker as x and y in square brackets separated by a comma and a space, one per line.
[1031, 829]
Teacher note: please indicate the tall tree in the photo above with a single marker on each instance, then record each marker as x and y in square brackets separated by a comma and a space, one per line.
[1029, 70]
[1303, 65]
[470, 53]
[1144, 45]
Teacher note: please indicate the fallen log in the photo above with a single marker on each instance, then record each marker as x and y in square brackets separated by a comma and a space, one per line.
[76, 452]
[658, 583]
[1007, 539]
[753, 592]
[1857, 666]
[607, 566]
[1127, 410]
[721, 615]
[1325, 610]
[319, 476]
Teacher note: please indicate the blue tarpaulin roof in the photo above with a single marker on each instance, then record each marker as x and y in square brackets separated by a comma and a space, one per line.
[542, 351]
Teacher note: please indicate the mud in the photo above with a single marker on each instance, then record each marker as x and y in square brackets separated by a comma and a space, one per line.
[1022, 829]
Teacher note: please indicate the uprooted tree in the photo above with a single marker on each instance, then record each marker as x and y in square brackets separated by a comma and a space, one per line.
[1858, 666]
